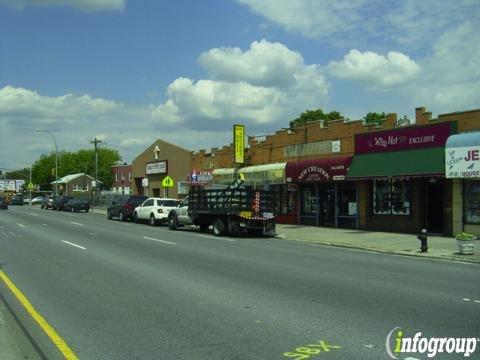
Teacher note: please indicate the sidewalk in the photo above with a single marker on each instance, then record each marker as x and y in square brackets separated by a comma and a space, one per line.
[13, 343]
[401, 244]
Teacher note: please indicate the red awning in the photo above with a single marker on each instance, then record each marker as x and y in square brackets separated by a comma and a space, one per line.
[314, 170]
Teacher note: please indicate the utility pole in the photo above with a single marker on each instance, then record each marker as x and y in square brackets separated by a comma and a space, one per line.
[96, 142]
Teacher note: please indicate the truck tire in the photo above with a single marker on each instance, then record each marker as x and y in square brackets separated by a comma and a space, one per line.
[172, 222]
[204, 227]
[121, 217]
[109, 215]
[218, 227]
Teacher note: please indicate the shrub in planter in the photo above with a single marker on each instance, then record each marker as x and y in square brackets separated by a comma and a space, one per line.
[465, 243]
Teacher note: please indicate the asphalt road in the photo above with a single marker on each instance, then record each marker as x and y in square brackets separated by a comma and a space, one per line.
[125, 291]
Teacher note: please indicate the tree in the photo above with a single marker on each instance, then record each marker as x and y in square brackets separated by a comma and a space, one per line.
[374, 118]
[315, 115]
[82, 161]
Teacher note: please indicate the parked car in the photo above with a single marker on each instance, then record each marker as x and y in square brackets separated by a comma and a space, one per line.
[48, 202]
[77, 204]
[37, 200]
[154, 210]
[60, 202]
[124, 207]
[3, 203]
[17, 200]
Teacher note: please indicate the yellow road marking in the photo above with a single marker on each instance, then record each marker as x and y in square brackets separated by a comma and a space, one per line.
[49, 330]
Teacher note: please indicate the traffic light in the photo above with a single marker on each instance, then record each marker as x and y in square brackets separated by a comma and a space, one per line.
[53, 171]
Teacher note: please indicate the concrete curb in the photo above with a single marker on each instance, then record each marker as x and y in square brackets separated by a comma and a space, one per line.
[384, 251]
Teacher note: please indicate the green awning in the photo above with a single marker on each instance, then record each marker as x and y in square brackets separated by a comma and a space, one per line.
[399, 163]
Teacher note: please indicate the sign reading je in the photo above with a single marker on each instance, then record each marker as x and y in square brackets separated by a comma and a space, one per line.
[462, 162]
[167, 182]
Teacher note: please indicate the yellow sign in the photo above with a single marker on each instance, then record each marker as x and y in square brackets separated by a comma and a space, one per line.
[239, 144]
[30, 185]
[167, 182]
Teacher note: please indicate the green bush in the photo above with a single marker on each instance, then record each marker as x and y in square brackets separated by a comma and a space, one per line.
[463, 236]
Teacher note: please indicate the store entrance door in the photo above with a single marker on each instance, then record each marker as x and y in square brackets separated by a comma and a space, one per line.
[434, 205]
[318, 205]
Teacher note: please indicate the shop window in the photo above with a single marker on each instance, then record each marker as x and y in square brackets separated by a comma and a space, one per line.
[472, 202]
[391, 197]
[283, 199]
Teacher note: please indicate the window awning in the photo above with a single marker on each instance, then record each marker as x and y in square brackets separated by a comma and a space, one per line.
[264, 174]
[462, 140]
[424, 162]
[314, 170]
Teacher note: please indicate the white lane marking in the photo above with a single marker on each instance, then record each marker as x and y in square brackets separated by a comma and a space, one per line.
[44, 224]
[34, 214]
[163, 241]
[21, 225]
[465, 299]
[75, 223]
[476, 301]
[216, 238]
[78, 246]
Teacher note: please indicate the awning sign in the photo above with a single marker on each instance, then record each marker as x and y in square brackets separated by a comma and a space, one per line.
[462, 162]
[239, 143]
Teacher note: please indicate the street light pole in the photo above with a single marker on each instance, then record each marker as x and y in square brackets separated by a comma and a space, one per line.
[56, 157]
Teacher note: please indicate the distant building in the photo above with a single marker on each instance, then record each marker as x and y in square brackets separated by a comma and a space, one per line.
[74, 184]
[122, 179]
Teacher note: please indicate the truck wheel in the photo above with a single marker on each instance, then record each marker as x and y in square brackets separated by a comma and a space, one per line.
[109, 215]
[218, 227]
[172, 222]
[204, 227]
[121, 217]
[153, 222]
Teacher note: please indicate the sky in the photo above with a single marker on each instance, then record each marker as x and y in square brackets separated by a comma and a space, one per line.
[130, 72]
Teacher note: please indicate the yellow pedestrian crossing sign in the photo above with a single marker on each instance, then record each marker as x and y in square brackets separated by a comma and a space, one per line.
[167, 182]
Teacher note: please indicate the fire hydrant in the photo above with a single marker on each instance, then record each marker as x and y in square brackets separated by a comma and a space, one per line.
[423, 240]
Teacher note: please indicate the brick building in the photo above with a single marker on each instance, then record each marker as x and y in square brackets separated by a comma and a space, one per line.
[321, 177]
[122, 179]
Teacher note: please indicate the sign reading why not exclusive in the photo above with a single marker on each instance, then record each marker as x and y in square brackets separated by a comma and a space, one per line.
[415, 137]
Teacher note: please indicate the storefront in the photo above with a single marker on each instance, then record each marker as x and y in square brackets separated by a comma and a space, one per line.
[267, 176]
[462, 166]
[400, 179]
[324, 197]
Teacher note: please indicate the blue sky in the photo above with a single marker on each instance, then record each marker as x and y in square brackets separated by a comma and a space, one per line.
[185, 71]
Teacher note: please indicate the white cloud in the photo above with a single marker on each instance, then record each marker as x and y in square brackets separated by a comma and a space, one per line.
[452, 72]
[375, 70]
[264, 64]
[84, 5]
[264, 84]
[23, 105]
[409, 23]
[311, 18]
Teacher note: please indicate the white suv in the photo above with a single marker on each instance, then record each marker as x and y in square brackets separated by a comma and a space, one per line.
[154, 210]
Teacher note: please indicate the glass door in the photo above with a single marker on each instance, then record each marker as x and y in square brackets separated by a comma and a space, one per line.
[309, 205]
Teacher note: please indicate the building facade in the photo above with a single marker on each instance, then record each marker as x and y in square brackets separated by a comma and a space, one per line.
[122, 179]
[74, 185]
[333, 177]
[161, 171]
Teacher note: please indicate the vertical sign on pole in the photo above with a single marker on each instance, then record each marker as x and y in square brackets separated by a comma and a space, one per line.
[239, 144]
